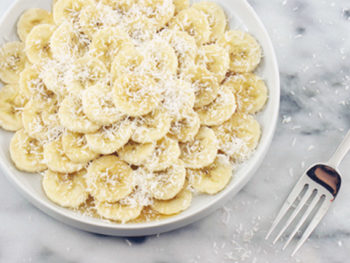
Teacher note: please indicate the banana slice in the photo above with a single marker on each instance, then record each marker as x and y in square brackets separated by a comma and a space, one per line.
[121, 6]
[181, 5]
[185, 128]
[179, 203]
[67, 43]
[136, 95]
[76, 148]
[107, 42]
[53, 75]
[109, 139]
[118, 212]
[244, 50]
[238, 136]
[193, 22]
[152, 127]
[136, 153]
[184, 46]
[158, 11]
[179, 97]
[205, 85]
[216, 59]
[69, 10]
[215, 16]
[11, 105]
[211, 179]
[250, 91]
[39, 117]
[201, 151]
[12, 61]
[166, 153]
[67, 190]
[94, 18]
[31, 18]
[98, 105]
[56, 159]
[220, 110]
[110, 179]
[139, 27]
[27, 153]
[160, 58]
[38, 43]
[129, 60]
[166, 184]
[72, 117]
[86, 72]
[31, 84]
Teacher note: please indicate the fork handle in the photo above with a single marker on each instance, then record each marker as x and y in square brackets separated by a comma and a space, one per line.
[341, 151]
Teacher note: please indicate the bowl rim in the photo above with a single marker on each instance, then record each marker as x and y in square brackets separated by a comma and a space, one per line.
[171, 223]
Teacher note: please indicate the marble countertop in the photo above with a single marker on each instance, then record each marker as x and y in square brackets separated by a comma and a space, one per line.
[312, 41]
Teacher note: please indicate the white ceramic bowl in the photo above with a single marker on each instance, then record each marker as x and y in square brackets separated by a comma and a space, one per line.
[241, 16]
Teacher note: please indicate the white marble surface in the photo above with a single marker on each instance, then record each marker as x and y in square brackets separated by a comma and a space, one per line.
[312, 41]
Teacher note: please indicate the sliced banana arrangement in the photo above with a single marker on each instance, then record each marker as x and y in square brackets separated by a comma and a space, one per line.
[38, 43]
[107, 42]
[244, 50]
[30, 19]
[57, 160]
[27, 153]
[109, 179]
[213, 178]
[110, 139]
[69, 10]
[13, 60]
[204, 84]
[184, 46]
[175, 205]
[136, 95]
[87, 72]
[160, 58]
[239, 136]
[67, 190]
[117, 211]
[68, 43]
[128, 60]
[250, 91]
[215, 16]
[166, 153]
[201, 151]
[99, 106]
[11, 108]
[186, 127]
[129, 109]
[38, 118]
[136, 153]
[214, 58]
[220, 110]
[73, 118]
[31, 84]
[94, 18]
[194, 22]
[76, 147]
[152, 127]
[166, 184]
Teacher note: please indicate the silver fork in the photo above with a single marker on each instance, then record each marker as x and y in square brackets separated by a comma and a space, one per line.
[314, 193]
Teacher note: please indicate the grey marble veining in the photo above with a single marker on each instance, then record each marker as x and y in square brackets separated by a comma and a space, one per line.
[312, 41]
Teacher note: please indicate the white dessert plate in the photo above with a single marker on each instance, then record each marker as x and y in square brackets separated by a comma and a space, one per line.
[241, 16]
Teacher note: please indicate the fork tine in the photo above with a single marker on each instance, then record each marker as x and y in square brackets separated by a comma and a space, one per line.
[302, 219]
[298, 188]
[314, 222]
[295, 212]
